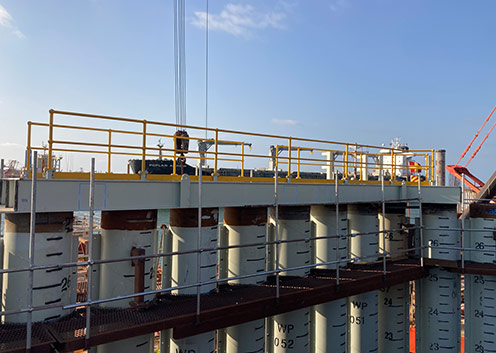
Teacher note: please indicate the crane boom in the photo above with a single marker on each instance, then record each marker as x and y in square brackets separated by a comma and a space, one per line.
[458, 171]
[479, 147]
[477, 134]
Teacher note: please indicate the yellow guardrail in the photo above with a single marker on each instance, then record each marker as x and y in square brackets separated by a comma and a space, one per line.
[347, 161]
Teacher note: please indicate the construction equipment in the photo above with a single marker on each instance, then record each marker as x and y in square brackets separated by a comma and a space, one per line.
[12, 170]
[468, 178]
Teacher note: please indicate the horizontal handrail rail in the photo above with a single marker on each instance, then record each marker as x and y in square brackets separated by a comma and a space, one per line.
[347, 160]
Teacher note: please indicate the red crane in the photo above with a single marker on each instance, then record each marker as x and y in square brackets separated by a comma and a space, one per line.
[471, 180]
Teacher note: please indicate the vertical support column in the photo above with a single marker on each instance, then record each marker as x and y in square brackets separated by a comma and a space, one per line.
[291, 330]
[480, 313]
[438, 297]
[74, 270]
[269, 266]
[362, 308]
[294, 223]
[394, 322]
[97, 250]
[324, 220]
[363, 219]
[362, 323]
[480, 300]
[95, 269]
[483, 241]
[222, 273]
[246, 225]
[123, 231]
[437, 312]
[53, 245]
[329, 319]
[393, 302]
[438, 221]
[166, 234]
[223, 254]
[395, 240]
[184, 227]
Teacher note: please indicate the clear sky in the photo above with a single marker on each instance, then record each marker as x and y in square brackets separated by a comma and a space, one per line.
[361, 71]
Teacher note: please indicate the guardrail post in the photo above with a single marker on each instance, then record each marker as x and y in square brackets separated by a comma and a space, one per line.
[242, 159]
[216, 150]
[427, 167]
[356, 159]
[277, 158]
[109, 153]
[174, 160]
[338, 230]
[298, 165]
[143, 153]
[50, 139]
[289, 157]
[345, 171]
[393, 174]
[433, 175]
[28, 148]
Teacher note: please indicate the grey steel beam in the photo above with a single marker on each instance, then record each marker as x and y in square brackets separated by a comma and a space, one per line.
[72, 195]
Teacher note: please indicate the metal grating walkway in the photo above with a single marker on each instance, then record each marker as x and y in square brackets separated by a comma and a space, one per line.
[231, 305]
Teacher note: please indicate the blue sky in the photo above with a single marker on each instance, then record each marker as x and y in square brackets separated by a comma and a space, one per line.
[347, 70]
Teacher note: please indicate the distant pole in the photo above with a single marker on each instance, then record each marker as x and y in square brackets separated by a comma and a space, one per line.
[441, 167]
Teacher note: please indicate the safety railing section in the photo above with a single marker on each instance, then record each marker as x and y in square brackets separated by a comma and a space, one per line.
[274, 245]
[116, 140]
